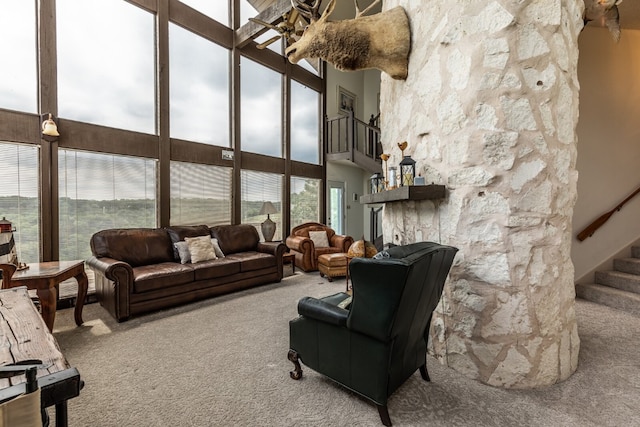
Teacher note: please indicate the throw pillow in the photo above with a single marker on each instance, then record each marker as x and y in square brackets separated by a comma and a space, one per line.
[319, 239]
[216, 248]
[183, 252]
[201, 248]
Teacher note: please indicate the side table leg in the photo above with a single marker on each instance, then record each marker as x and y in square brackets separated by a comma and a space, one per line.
[47, 297]
[83, 285]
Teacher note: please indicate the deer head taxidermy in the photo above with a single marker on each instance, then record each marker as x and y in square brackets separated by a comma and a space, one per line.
[381, 41]
[603, 13]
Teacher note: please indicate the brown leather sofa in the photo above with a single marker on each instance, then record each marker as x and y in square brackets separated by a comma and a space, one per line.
[137, 271]
[306, 252]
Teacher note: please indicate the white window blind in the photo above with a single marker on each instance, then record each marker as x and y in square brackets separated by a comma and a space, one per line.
[257, 188]
[200, 194]
[305, 200]
[101, 191]
[20, 196]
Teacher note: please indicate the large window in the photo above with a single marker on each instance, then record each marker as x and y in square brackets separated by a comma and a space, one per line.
[257, 188]
[106, 64]
[261, 109]
[305, 126]
[101, 191]
[305, 200]
[218, 10]
[199, 74]
[18, 73]
[200, 194]
[19, 196]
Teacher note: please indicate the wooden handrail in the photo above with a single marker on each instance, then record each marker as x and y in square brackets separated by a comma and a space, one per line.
[591, 228]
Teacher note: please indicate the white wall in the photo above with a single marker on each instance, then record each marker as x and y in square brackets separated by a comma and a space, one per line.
[354, 179]
[608, 147]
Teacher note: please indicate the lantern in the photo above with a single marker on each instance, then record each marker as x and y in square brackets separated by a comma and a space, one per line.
[5, 225]
[407, 171]
[377, 183]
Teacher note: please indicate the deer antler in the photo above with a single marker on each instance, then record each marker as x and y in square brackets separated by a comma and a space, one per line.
[309, 11]
[358, 13]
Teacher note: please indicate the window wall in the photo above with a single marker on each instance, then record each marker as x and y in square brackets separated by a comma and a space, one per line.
[165, 116]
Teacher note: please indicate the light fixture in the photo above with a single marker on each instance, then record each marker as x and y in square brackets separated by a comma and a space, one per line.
[268, 226]
[377, 183]
[50, 129]
[407, 171]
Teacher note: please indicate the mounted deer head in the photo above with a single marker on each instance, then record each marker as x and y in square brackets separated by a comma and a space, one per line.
[603, 13]
[379, 41]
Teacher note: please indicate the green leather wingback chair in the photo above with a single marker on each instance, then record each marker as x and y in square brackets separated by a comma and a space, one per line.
[374, 344]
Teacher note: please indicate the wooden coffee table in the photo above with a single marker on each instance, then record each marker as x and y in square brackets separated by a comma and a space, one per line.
[45, 277]
[23, 336]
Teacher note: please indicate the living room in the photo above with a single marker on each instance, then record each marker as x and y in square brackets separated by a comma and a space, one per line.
[173, 156]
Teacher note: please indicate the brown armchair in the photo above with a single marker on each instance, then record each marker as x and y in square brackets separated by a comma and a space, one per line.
[306, 252]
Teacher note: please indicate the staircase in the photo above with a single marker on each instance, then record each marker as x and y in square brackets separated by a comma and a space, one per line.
[619, 288]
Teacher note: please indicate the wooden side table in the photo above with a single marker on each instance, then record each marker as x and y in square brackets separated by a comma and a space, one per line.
[349, 258]
[290, 257]
[45, 277]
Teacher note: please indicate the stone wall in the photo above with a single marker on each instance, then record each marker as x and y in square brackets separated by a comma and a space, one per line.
[490, 109]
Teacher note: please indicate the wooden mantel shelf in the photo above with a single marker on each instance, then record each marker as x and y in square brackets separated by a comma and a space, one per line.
[407, 193]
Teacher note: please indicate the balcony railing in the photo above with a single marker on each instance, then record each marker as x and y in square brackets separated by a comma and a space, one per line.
[349, 138]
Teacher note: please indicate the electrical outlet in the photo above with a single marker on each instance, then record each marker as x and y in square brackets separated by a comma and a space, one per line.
[227, 155]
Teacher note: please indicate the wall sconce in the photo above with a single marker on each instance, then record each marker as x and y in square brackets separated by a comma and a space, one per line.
[49, 129]
[268, 226]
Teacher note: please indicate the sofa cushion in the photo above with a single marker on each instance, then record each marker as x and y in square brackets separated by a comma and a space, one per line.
[220, 267]
[236, 238]
[151, 277]
[319, 239]
[135, 246]
[179, 232]
[250, 261]
[201, 248]
[329, 250]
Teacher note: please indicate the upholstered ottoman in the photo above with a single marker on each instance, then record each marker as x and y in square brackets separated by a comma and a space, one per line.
[332, 265]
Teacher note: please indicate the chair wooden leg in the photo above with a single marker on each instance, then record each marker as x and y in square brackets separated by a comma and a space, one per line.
[424, 373]
[384, 415]
[296, 374]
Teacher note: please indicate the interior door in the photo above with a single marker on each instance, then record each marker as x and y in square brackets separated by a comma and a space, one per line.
[336, 208]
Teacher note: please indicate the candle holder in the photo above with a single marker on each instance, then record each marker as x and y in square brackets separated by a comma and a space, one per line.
[384, 158]
[407, 171]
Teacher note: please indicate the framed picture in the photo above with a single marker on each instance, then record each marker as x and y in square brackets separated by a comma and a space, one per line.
[346, 101]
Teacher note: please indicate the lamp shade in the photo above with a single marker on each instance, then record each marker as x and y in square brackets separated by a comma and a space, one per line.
[267, 209]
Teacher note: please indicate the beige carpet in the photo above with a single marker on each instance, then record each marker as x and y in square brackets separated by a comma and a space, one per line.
[222, 362]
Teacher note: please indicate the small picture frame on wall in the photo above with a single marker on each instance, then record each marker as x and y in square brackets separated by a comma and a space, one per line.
[346, 101]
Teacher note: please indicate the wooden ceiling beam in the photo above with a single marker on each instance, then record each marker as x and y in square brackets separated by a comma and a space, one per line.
[272, 14]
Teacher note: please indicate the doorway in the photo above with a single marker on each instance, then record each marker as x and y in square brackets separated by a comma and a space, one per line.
[336, 206]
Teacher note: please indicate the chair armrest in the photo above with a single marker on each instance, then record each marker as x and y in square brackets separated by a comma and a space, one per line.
[342, 242]
[300, 244]
[112, 269]
[322, 311]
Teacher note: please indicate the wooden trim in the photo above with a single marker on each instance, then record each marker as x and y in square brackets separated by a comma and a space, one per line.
[164, 144]
[265, 57]
[236, 191]
[148, 5]
[307, 170]
[102, 139]
[193, 152]
[262, 163]
[48, 103]
[199, 23]
[19, 127]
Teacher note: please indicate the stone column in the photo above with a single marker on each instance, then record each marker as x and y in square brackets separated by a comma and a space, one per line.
[489, 109]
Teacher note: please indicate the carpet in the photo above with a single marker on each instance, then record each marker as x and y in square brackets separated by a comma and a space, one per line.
[222, 362]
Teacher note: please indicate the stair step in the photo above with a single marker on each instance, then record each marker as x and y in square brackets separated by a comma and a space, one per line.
[617, 279]
[627, 265]
[611, 297]
[635, 251]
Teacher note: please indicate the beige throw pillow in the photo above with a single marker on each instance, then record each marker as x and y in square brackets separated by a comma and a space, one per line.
[201, 248]
[319, 239]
